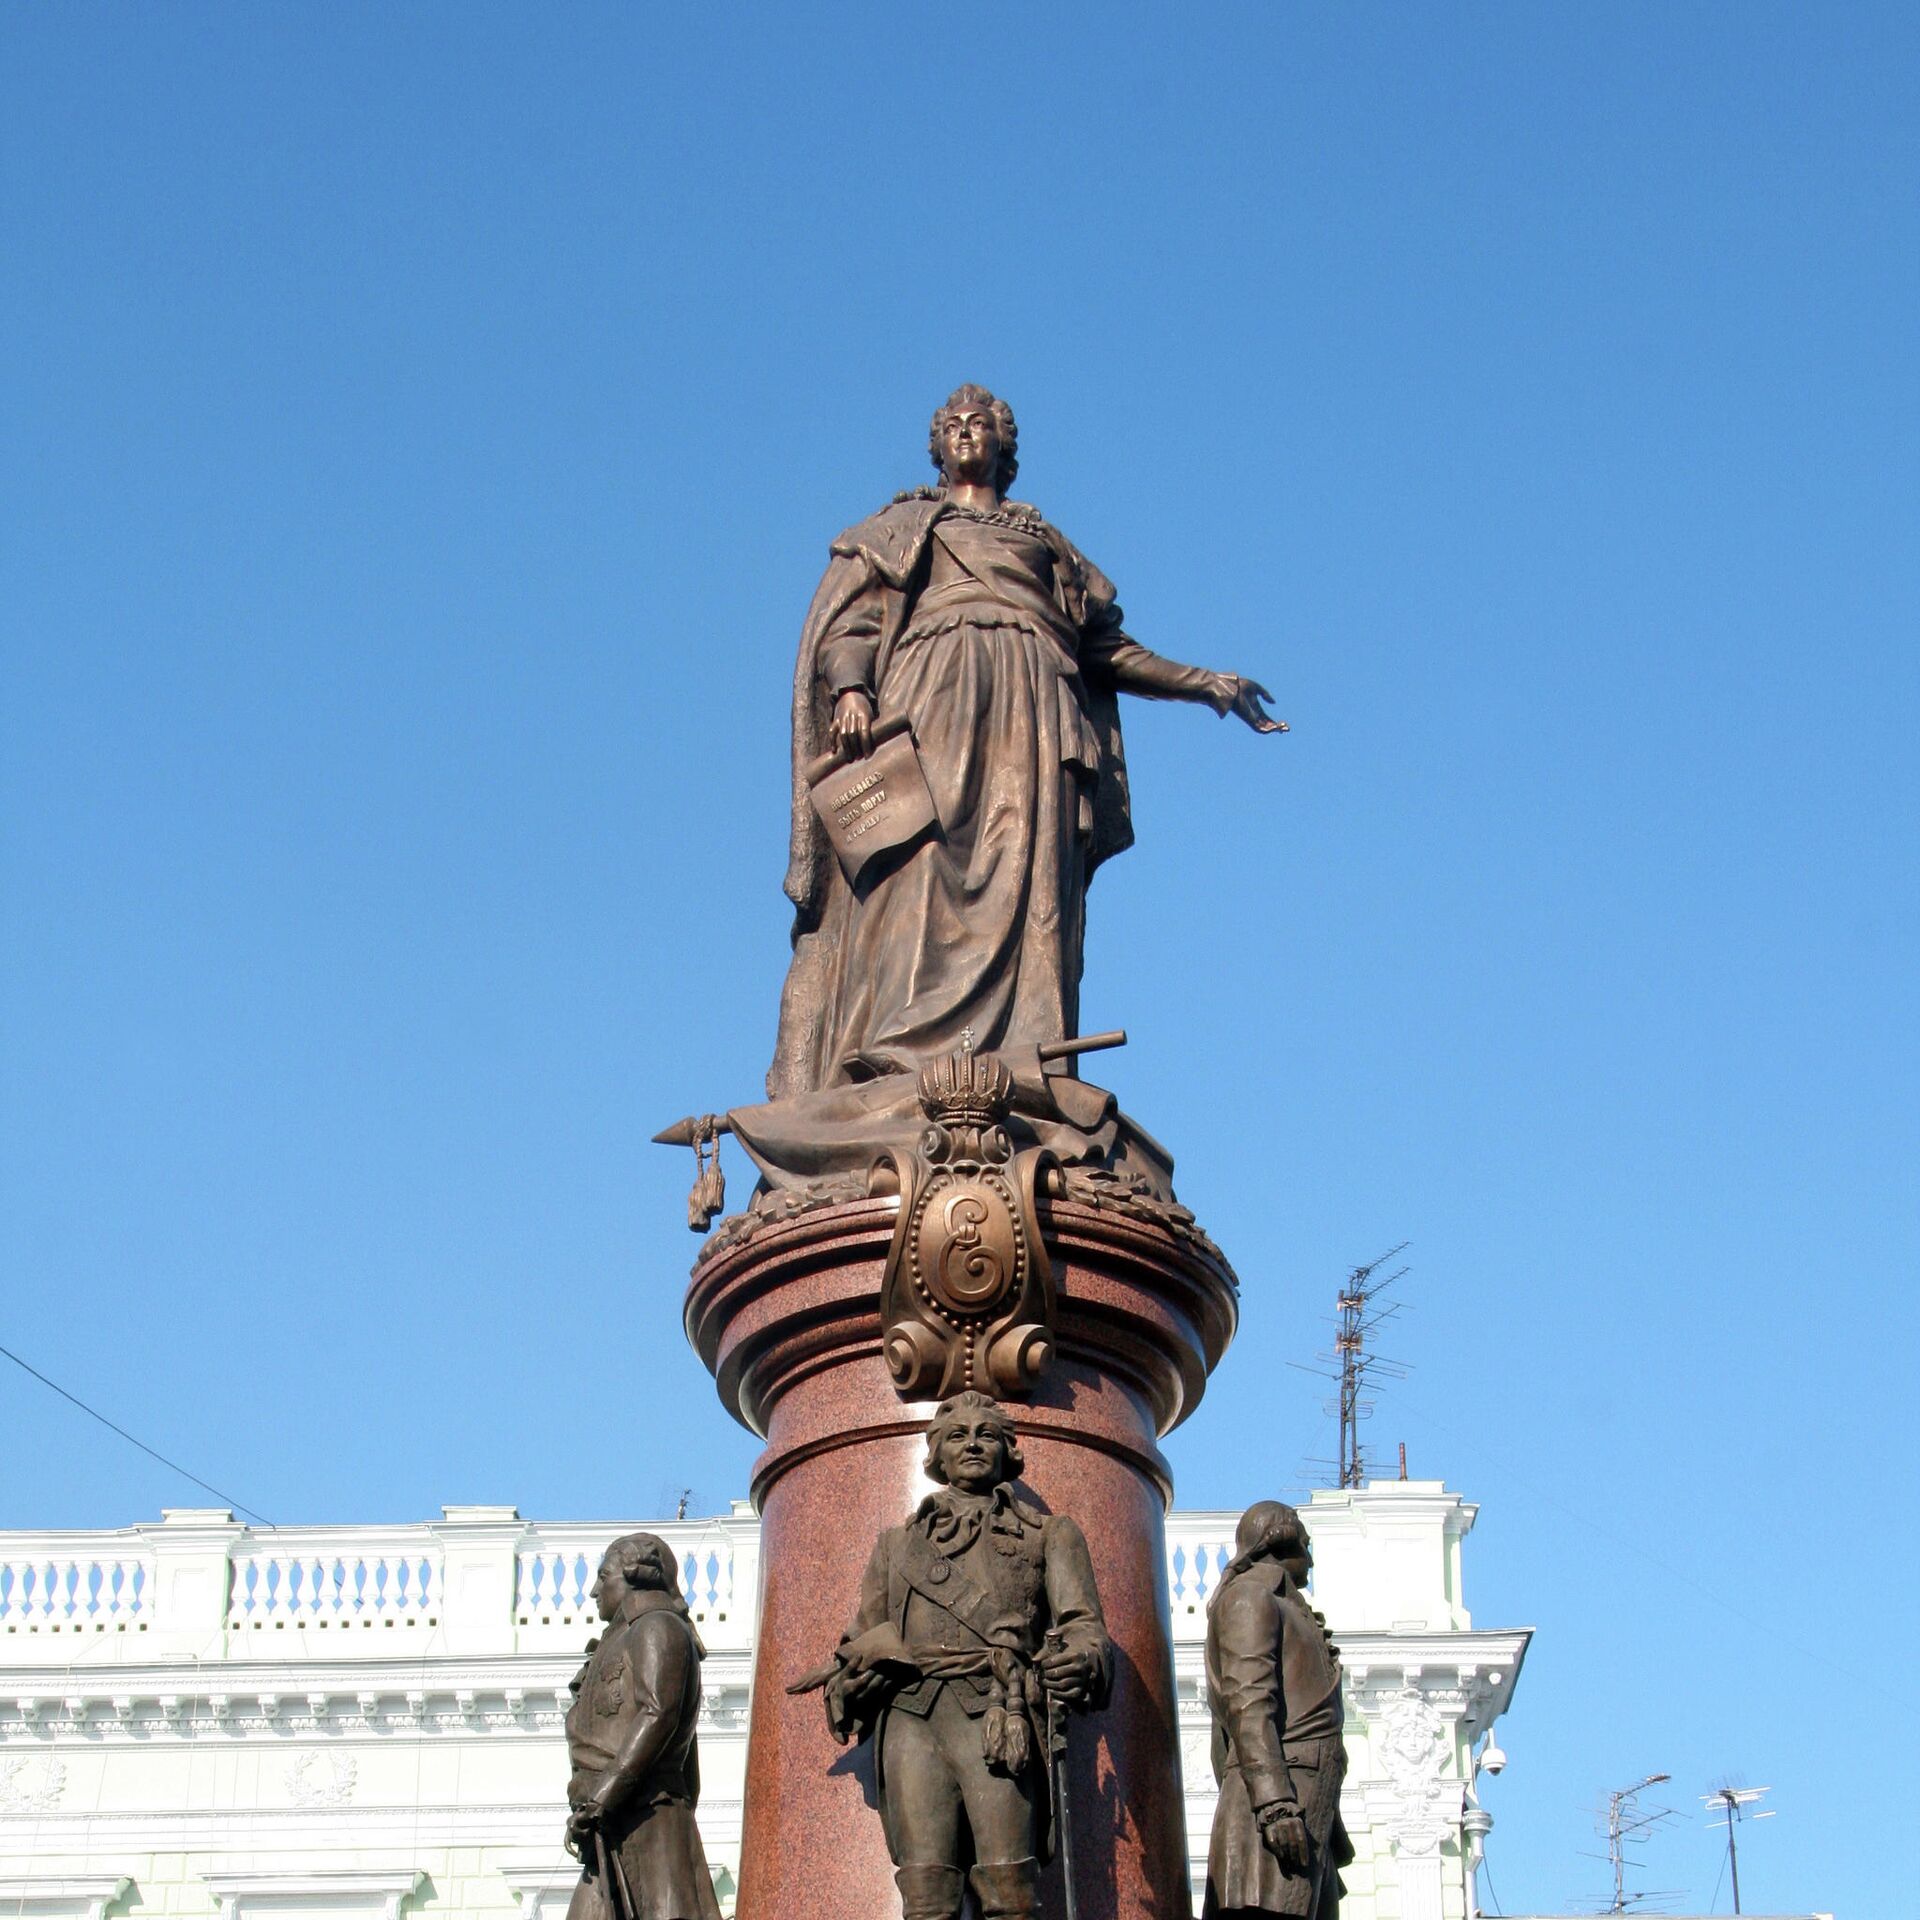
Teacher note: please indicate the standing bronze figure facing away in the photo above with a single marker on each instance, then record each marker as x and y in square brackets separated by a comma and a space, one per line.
[1273, 1685]
[630, 1739]
[978, 1625]
[967, 619]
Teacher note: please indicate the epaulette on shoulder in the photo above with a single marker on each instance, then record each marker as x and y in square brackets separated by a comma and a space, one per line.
[912, 494]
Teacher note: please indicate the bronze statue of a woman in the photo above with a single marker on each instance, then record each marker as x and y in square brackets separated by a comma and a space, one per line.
[969, 617]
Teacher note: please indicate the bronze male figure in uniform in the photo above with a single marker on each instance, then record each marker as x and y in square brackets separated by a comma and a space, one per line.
[630, 1739]
[978, 1619]
[1273, 1686]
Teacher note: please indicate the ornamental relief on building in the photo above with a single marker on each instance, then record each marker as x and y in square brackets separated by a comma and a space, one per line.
[1410, 1740]
[314, 1781]
[31, 1784]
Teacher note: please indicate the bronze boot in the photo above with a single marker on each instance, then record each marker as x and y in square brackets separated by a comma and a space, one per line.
[928, 1893]
[1010, 1891]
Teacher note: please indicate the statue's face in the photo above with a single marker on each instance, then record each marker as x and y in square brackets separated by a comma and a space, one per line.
[973, 1453]
[970, 445]
[609, 1588]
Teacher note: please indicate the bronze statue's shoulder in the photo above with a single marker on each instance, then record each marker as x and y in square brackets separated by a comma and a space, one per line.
[645, 1619]
[1033, 1518]
[667, 1628]
[891, 540]
[1255, 1592]
[1028, 518]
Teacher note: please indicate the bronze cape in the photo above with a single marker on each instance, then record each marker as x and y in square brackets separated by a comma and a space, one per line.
[997, 639]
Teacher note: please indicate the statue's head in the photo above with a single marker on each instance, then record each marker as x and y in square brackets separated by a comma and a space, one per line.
[974, 438]
[970, 1444]
[636, 1562]
[1272, 1530]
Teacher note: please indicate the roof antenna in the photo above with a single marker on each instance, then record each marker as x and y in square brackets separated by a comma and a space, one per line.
[1627, 1825]
[1732, 1802]
[1351, 1366]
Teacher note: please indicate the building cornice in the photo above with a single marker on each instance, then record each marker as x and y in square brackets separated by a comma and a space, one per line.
[83, 1896]
[312, 1890]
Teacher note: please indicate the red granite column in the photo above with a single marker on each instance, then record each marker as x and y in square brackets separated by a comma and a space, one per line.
[789, 1322]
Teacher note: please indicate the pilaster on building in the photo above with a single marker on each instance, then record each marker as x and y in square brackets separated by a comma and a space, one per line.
[204, 1720]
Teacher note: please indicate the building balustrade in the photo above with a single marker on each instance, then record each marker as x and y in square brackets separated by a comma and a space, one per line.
[366, 1722]
[346, 1591]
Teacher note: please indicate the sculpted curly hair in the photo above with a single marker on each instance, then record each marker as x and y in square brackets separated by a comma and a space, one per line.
[972, 396]
[645, 1560]
[1267, 1528]
[950, 1413]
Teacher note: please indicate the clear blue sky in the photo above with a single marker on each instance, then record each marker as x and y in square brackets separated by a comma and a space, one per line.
[423, 428]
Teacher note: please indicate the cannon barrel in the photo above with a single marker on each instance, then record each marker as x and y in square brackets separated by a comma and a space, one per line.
[1087, 1043]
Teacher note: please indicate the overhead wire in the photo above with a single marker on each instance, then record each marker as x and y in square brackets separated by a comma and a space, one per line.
[114, 1426]
[1492, 1893]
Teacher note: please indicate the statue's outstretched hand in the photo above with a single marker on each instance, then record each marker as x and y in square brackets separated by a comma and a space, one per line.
[1247, 700]
[852, 730]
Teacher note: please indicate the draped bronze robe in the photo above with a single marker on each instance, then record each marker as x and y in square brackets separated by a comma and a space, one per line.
[998, 641]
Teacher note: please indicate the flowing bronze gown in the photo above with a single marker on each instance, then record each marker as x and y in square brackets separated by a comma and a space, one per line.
[978, 931]
[1003, 646]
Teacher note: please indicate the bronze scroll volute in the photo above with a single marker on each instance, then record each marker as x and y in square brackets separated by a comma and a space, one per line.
[967, 1299]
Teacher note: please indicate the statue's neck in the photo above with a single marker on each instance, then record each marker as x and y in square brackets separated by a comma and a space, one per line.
[642, 1600]
[980, 497]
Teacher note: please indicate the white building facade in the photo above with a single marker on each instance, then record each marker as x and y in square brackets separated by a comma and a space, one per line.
[208, 1722]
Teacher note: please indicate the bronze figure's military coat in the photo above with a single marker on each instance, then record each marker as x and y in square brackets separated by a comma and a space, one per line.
[978, 1629]
[1273, 1685]
[636, 1708]
[969, 1589]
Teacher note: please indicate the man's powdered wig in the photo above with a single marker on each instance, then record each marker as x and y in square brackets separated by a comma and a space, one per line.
[646, 1562]
[1269, 1529]
[962, 1406]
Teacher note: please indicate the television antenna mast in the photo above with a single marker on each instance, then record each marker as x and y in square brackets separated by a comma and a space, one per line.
[1359, 1318]
[1732, 1802]
[1627, 1825]
[1350, 1366]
